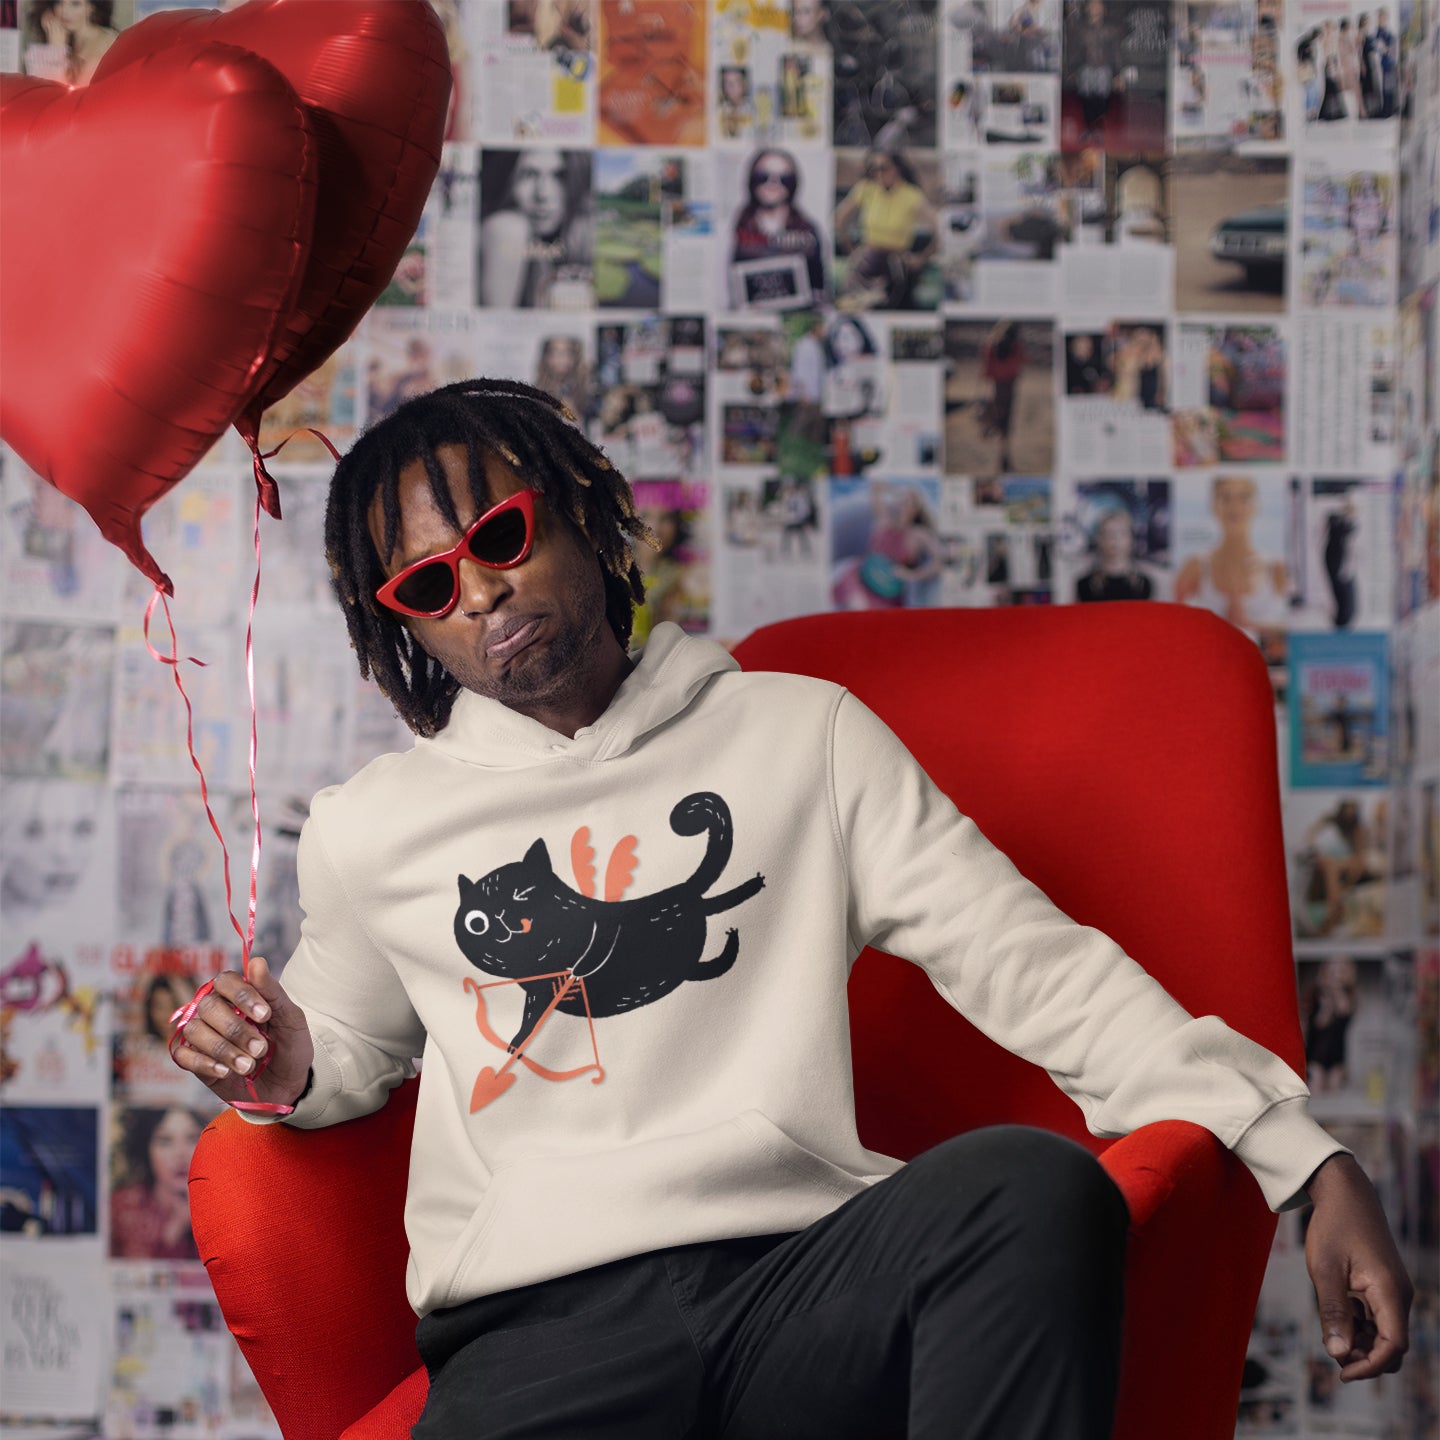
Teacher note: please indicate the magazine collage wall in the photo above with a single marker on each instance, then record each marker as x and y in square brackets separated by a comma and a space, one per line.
[878, 303]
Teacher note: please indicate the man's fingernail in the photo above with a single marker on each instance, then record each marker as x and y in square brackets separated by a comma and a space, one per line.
[1337, 1347]
[261, 1012]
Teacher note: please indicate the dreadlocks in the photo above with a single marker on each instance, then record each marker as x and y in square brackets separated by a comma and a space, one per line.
[534, 433]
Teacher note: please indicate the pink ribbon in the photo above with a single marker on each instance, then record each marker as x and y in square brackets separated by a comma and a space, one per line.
[266, 497]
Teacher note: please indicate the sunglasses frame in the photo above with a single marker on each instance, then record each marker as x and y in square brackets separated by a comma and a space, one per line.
[522, 500]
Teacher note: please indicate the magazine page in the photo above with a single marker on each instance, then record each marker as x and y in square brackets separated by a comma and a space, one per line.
[770, 73]
[1226, 86]
[533, 68]
[886, 230]
[652, 63]
[54, 1025]
[1119, 251]
[57, 863]
[1228, 397]
[1230, 533]
[677, 575]
[51, 1156]
[999, 396]
[1344, 393]
[629, 196]
[202, 532]
[150, 1148]
[650, 405]
[998, 541]
[1353, 1008]
[537, 229]
[1021, 223]
[55, 688]
[301, 671]
[910, 440]
[1114, 76]
[886, 56]
[1416, 409]
[54, 562]
[885, 546]
[773, 554]
[1338, 843]
[411, 352]
[1345, 67]
[1115, 416]
[51, 45]
[1344, 560]
[155, 733]
[171, 1357]
[689, 222]
[774, 251]
[1232, 232]
[1348, 251]
[1339, 709]
[53, 1362]
[171, 878]
[1113, 540]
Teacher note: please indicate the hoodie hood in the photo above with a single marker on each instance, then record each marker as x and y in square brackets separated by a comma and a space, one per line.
[669, 673]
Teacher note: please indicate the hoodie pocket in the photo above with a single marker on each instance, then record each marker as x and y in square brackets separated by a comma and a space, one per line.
[448, 1273]
[810, 1167]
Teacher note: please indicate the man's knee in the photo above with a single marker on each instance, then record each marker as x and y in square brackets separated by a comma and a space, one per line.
[1041, 1181]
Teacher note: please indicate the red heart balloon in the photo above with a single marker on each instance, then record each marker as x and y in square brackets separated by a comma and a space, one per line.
[376, 77]
[158, 225]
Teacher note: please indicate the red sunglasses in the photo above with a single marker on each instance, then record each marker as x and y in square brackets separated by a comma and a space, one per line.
[499, 540]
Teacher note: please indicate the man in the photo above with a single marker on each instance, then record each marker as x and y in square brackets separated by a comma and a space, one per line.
[638, 1206]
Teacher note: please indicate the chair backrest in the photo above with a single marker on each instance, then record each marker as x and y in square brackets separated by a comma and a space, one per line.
[1125, 757]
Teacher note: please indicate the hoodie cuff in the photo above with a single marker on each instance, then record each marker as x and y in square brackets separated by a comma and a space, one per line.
[254, 1117]
[1283, 1149]
[324, 1084]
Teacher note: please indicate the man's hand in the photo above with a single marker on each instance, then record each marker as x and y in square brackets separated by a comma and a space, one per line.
[1361, 1287]
[224, 1048]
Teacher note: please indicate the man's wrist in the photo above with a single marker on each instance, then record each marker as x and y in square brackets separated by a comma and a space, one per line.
[1329, 1172]
[309, 1085]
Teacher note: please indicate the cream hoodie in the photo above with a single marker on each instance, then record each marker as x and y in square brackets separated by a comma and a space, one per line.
[695, 873]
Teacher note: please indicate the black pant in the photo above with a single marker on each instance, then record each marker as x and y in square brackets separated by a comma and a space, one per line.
[976, 1293]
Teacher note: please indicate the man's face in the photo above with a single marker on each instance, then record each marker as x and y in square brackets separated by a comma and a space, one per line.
[532, 637]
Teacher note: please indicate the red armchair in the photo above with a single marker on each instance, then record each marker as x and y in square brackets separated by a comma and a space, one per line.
[1125, 757]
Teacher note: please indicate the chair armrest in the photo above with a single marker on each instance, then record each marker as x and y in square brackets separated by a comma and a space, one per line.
[1200, 1234]
[302, 1234]
[397, 1414]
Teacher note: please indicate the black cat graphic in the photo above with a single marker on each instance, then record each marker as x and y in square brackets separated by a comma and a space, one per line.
[572, 952]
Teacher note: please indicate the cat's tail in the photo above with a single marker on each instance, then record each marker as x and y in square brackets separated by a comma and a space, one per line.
[695, 815]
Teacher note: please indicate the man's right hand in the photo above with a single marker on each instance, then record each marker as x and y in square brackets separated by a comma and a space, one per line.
[224, 1048]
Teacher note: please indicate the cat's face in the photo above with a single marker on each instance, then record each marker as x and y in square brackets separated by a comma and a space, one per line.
[497, 913]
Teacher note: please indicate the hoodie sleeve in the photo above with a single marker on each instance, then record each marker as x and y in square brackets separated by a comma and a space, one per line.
[927, 885]
[365, 1030]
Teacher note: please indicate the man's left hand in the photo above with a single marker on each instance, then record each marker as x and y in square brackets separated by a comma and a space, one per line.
[1361, 1287]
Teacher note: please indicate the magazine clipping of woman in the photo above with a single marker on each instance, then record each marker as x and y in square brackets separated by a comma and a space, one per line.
[537, 233]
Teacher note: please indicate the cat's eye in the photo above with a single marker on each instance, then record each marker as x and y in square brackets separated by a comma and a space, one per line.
[477, 922]
[524, 894]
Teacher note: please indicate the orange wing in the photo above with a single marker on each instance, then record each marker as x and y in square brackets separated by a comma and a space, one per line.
[621, 869]
[582, 860]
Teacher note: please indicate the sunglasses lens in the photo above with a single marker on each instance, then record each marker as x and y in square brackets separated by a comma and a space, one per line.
[430, 588]
[499, 541]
